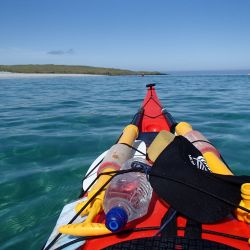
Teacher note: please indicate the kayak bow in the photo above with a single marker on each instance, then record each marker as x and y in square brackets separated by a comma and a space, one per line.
[228, 233]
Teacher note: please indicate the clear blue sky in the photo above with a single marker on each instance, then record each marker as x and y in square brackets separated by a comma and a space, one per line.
[135, 34]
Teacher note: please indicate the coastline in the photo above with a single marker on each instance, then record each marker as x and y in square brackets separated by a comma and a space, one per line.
[71, 70]
[38, 75]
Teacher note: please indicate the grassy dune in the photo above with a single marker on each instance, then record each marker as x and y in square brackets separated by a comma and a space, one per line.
[71, 69]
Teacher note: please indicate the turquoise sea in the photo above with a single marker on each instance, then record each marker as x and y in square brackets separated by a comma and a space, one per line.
[52, 128]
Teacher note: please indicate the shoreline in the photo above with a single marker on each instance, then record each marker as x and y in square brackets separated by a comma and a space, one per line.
[71, 70]
[14, 75]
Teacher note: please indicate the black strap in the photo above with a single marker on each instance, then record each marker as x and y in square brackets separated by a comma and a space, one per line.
[193, 230]
[170, 230]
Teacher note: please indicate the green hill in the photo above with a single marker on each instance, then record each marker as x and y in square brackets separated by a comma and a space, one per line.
[71, 69]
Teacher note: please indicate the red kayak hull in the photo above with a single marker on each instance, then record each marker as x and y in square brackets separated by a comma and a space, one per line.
[153, 119]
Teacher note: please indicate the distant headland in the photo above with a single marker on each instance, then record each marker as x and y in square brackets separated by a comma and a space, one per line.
[71, 69]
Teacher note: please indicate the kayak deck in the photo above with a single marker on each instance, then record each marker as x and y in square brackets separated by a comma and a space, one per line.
[151, 119]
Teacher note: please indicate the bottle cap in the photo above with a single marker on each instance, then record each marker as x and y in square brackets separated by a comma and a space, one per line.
[116, 219]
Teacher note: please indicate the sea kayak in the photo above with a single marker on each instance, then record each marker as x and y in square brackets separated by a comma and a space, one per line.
[145, 233]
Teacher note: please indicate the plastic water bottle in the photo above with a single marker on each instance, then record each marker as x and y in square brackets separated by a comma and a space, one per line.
[127, 197]
[119, 153]
[198, 139]
[210, 153]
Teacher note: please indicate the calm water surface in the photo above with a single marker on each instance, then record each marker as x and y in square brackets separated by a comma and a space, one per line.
[52, 128]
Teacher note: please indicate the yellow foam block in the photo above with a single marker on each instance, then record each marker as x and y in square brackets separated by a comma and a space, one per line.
[183, 128]
[215, 164]
[161, 141]
[129, 135]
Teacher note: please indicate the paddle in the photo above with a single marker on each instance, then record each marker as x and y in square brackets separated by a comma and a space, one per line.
[196, 194]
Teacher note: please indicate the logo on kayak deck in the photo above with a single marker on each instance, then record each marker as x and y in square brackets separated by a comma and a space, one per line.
[199, 162]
